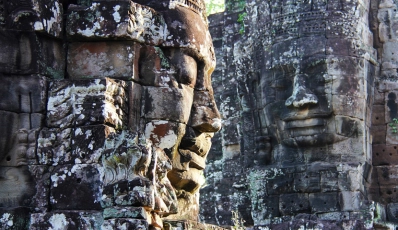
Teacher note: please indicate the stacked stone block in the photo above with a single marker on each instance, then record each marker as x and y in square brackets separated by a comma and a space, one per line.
[90, 138]
[227, 164]
[345, 182]
[102, 105]
[383, 188]
[32, 54]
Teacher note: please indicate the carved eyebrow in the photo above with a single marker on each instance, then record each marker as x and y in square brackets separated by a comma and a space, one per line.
[281, 83]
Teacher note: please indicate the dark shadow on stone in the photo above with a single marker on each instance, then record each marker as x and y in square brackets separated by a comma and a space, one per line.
[392, 105]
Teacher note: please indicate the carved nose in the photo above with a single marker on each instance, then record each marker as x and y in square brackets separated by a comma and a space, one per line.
[301, 95]
[205, 116]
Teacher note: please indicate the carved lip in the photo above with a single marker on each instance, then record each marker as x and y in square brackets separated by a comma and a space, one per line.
[195, 161]
[311, 122]
[296, 117]
[196, 151]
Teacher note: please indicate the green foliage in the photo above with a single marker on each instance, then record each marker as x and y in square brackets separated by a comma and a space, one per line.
[241, 18]
[214, 6]
[393, 125]
[164, 63]
[238, 221]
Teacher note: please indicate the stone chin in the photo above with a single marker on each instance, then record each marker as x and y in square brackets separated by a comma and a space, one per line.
[190, 180]
[313, 140]
[189, 163]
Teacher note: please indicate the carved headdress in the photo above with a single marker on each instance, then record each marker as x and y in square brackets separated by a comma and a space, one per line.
[197, 6]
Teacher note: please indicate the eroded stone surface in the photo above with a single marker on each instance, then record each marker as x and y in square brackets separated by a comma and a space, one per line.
[108, 113]
[123, 20]
[307, 93]
[115, 133]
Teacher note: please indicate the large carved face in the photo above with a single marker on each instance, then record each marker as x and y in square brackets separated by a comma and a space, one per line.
[315, 102]
[160, 53]
[179, 108]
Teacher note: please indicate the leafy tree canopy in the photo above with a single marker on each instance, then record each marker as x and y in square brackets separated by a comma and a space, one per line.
[214, 6]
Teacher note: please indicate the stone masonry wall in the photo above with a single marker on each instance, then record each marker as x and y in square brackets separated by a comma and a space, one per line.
[107, 113]
[324, 56]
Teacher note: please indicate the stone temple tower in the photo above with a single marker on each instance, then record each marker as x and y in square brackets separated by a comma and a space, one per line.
[109, 116]
[307, 94]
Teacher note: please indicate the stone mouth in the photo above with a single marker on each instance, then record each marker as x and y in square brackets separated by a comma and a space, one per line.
[187, 172]
[200, 145]
[305, 123]
[195, 160]
[306, 127]
[309, 116]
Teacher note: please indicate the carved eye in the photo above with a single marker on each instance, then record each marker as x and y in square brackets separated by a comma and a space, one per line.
[187, 71]
[283, 88]
[319, 84]
[185, 66]
[282, 84]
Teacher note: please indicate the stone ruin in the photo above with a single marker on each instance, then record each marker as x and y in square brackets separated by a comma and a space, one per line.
[307, 93]
[108, 114]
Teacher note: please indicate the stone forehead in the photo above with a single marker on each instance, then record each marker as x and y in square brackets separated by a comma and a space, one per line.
[172, 24]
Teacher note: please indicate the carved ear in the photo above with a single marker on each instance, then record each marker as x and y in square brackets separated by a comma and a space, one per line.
[263, 142]
[263, 150]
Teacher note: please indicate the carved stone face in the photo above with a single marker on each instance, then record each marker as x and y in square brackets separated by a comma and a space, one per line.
[182, 118]
[179, 108]
[313, 104]
[134, 67]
